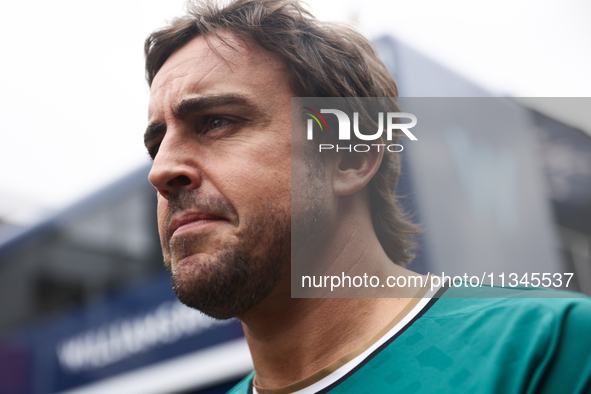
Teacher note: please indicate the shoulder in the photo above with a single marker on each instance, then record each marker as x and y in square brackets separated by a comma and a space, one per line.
[243, 386]
[533, 313]
[543, 334]
[513, 301]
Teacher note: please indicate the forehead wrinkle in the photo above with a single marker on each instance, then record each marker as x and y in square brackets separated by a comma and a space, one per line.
[171, 75]
[191, 86]
[204, 49]
[187, 85]
[179, 88]
[231, 52]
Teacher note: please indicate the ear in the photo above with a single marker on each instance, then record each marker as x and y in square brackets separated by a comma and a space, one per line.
[353, 170]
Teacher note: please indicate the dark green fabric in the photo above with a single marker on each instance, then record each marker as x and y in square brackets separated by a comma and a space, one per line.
[486, 345]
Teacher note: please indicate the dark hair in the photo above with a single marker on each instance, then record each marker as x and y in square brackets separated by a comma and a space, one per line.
[323, 60]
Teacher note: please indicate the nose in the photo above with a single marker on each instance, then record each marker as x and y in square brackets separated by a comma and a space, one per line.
[174, 167]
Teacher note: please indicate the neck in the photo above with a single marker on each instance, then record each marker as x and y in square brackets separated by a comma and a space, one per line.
[292, 338]
[312, 334]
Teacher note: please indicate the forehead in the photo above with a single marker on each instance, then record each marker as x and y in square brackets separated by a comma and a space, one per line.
[212, 66]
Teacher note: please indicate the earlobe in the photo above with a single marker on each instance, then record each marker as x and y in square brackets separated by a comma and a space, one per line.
[353, 170]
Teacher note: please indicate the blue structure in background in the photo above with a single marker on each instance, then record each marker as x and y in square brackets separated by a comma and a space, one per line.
[134, 329]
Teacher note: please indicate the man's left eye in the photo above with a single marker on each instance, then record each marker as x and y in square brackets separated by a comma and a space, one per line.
[215, 123]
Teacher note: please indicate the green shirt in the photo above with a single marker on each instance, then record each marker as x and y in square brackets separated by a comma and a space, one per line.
[480, 345]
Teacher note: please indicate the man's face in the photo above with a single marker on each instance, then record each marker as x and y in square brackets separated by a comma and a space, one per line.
[219, 134]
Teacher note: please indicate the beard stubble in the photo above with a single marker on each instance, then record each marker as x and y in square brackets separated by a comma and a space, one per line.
[241, 272]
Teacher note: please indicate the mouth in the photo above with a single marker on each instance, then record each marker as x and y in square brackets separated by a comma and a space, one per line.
[191, 221]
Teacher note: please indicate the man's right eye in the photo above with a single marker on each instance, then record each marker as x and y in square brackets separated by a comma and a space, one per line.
[153, 150]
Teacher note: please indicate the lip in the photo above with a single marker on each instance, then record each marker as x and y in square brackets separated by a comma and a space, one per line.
[192, 219]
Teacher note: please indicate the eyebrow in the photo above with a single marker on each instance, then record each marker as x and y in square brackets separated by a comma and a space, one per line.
[193, 105]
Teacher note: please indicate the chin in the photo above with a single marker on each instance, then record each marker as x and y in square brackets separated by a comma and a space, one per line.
[231, 281]
[242, 270]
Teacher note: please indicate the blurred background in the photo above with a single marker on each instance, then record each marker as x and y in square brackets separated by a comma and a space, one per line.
[85, 303]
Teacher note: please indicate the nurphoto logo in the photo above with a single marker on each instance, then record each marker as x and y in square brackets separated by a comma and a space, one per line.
[344, 130]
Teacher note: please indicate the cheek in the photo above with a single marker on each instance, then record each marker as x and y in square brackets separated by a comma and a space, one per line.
[259, 174]
[254, 188]
[161, 215]
[273, 182]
